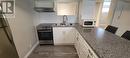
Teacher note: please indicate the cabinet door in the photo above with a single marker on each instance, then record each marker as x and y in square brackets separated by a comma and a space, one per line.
[57, 35]
[76, 41]
[78, 47]
[88, 9]
[84, 48]
[63, 35]
[69, 35]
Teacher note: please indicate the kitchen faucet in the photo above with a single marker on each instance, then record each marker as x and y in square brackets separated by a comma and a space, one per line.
[65, 19]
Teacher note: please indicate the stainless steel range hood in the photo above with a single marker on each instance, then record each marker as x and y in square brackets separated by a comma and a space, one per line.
[44, 5]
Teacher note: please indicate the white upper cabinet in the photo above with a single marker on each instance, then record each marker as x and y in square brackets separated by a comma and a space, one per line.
[44, 3]
[87, 9]
[66, 7]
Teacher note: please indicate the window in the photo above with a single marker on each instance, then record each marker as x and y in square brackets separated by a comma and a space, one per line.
[106, 6]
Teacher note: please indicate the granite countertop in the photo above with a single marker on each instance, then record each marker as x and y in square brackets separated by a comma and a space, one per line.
[105, 44]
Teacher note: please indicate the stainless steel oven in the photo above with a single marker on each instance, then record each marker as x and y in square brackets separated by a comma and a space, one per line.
[45, 35]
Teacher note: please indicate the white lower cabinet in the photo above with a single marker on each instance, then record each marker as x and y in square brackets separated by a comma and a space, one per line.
[69, 35]
[83, 49]
[64, 35]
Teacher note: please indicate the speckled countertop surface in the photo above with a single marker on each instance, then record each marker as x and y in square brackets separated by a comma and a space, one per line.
[104, 44]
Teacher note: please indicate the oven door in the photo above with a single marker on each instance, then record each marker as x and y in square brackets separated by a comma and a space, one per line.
[45, 35]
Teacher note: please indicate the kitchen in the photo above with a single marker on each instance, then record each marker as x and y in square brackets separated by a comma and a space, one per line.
[70, 28]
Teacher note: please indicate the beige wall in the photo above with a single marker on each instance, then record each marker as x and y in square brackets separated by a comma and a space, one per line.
[111, 11]
[22, 27]
[105, 18]
[122, 17]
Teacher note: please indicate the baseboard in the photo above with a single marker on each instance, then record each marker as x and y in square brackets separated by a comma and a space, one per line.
[34, 46]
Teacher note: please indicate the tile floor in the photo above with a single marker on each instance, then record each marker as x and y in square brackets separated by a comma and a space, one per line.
[49, 51]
